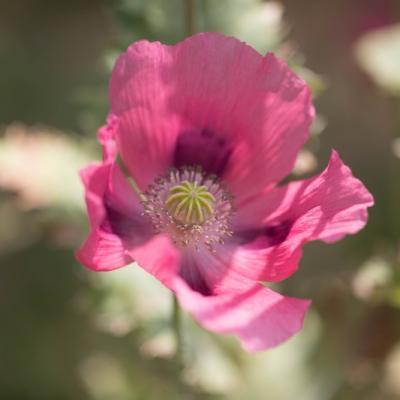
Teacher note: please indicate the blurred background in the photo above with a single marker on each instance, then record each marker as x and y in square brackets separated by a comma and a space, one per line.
[69, 334]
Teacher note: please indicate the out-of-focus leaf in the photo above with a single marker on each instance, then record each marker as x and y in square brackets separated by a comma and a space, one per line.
[378, 53]
[129, 297]
[396, 147]
[372, 278]
[258, 23]
[392, 371]
[41, 166]
[317, 83]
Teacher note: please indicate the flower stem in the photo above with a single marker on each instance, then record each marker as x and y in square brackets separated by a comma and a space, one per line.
[176, 326]
[190, 16]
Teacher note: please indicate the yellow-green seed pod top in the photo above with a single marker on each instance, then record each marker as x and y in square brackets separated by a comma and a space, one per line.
[190, 203]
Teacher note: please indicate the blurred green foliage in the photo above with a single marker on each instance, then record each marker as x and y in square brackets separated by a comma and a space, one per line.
[68, 333]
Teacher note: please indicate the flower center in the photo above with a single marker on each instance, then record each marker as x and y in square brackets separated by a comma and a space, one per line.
[190, 203]
[193, 208]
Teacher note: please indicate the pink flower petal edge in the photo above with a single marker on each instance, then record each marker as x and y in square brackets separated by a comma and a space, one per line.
[212, 101]
[326, 207]
[103, 250]
[217, 83]
[119, 235]
[259, 317]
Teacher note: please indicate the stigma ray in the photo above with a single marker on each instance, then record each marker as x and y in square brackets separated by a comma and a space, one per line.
[193, 208]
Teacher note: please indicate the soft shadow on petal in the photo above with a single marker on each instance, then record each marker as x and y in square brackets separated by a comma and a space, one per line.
[138, 95]
[255, 102]
[259, 317]
[326, 207]
[210, 273]
[120, 234]
[114, 217]
[159, 257]
[214, 83]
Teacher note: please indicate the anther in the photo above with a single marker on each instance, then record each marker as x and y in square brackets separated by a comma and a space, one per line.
[193, 208]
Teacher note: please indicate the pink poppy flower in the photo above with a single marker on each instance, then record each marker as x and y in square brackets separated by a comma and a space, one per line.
[207, 129]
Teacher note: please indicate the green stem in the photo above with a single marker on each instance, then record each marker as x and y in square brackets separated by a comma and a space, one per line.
[176, 326]
[190, 16]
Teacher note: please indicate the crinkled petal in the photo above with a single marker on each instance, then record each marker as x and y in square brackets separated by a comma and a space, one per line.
[119, 233]
[139, 96]
[107, 137]
[259, 317]
[216, 93]
[159, 257]
[210, 273]
[272, 229]
[114, 218]
[103, 251]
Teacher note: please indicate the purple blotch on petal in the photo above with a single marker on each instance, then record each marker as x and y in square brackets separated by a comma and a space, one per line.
[195, 281]
[202, 147]
[275, 233]
[278, 233]
[132, 228]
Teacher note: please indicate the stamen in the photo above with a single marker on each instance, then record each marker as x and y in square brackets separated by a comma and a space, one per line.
[193, 208]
